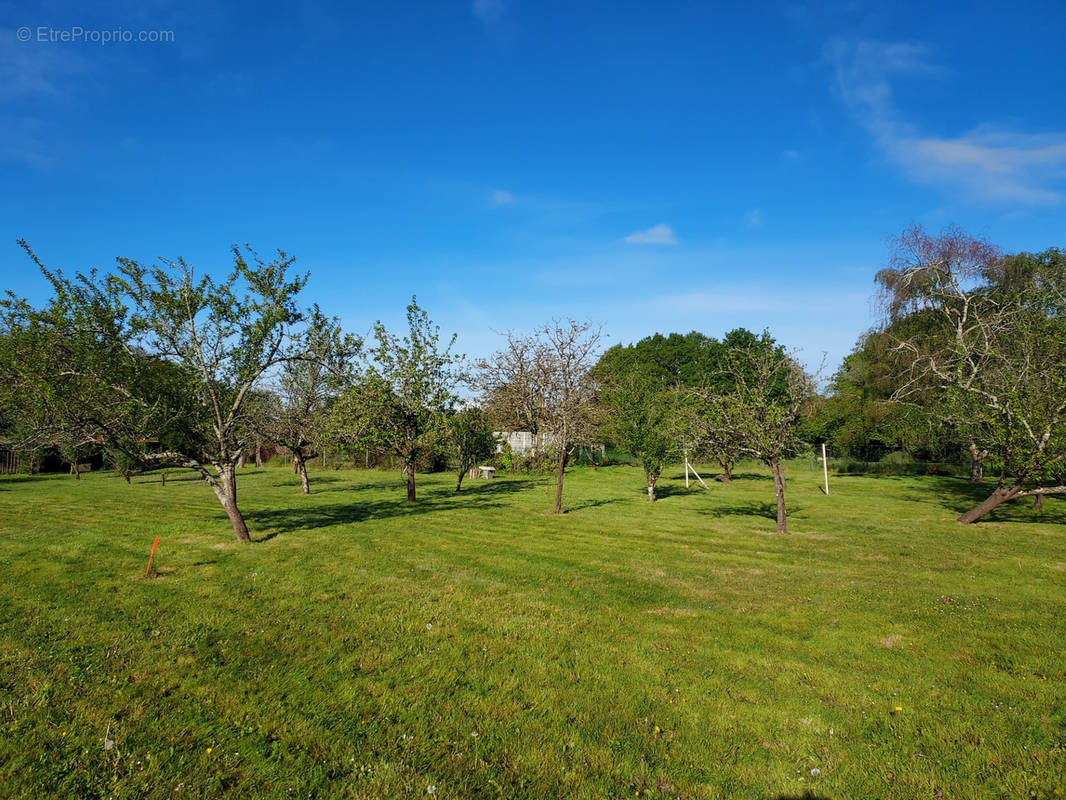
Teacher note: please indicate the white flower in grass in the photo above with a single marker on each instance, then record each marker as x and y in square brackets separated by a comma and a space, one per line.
[815, 772]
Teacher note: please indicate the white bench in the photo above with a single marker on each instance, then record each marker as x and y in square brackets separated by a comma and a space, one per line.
[487, 472]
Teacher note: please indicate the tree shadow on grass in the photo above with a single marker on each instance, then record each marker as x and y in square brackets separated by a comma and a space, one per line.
[436, 499]
[751, 509]
[751, 476]
[663, 491]
[957, 495]
[316, 476]
[7, 480]
[154, 478]
[804, 796]
[397, 482]
[491, 488]
[590, 504]
[712, 477]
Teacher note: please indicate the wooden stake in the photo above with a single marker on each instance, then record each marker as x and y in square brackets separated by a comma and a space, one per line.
[825, 470]
[151, 555]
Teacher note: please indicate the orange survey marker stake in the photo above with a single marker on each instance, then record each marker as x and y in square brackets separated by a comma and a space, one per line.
[151, 555]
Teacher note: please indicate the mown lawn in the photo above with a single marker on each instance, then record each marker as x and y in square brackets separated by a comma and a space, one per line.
[476, 646]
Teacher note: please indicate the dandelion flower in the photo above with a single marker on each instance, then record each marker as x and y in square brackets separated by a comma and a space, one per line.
[209, 750]
[658, 729]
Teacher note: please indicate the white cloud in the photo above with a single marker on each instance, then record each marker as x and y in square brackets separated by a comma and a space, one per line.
[987, 164]
[502, 197]
[994, 165]
[656, 234]
[753, 219]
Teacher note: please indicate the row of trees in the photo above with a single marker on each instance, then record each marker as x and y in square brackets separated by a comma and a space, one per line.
[162, 367]
[681, 397]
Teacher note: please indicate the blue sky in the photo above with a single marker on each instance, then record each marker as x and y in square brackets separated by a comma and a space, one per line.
[652, 166]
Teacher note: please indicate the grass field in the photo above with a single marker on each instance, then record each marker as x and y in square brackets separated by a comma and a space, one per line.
[476, 646]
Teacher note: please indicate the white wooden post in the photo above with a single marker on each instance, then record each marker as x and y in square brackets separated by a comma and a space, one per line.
[825, 470]
[686, 469]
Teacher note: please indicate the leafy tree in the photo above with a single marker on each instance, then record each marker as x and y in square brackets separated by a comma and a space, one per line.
[155, 355]
[401, 401]
[471, 439]
[693, 417]
[692, 359]
[307, 389]
[861, 418]
[638, 414]
[125, 465]
[694, 371]
[997, 373]
[761, 414]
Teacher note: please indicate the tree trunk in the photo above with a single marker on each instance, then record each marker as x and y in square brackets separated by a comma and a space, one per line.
[258, 454]
[1001, 495]
[651, 487]
[409, 468]
[301, 468]
[226, 491]
[163, 477]
[295, 464]
[240, 460]
[977, 463]
[726, 475]
[779, 490]
[560, 471]
[1038, 503]
[459, 483]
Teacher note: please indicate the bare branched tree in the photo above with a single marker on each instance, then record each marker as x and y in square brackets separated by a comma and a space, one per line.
[511, 388]
[542, 383]
[992, 347]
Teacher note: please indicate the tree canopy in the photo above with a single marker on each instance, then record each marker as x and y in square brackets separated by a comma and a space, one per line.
[157, 362]
[401, 401]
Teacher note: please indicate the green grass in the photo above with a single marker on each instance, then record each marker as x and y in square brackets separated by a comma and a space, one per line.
[364, 647]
